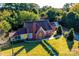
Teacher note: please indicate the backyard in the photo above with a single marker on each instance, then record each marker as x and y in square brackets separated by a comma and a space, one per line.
[62, 47]
[34, 48]
[26, 49]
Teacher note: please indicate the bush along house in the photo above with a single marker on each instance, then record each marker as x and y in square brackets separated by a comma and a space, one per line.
[37, 29]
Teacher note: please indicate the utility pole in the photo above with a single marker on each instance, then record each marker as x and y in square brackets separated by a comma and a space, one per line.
[0, 51]
[12, 46]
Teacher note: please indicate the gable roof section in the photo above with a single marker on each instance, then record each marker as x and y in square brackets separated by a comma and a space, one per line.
[44, 24]
[20, 31]
[41, 29]
[28, 27]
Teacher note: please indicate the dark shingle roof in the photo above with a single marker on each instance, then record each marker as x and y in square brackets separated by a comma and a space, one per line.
[44, 24]
[28, 27]
[52, 23]
[20, 31]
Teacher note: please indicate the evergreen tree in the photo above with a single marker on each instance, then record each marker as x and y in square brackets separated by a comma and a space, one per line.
[70, 39]
[59, 31]
[70, 36]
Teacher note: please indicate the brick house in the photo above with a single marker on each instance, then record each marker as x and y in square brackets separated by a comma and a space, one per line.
[37, 29]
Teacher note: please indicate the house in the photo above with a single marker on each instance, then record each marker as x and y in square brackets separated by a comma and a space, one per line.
[37, 29]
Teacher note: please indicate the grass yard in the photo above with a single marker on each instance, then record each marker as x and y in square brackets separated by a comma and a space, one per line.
[61, 46]
[8, 52]
[26, 49]
[33, 48]
[37, 51]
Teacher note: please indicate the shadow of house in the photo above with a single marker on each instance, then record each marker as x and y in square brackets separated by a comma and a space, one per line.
[27, 46]
[30, 45]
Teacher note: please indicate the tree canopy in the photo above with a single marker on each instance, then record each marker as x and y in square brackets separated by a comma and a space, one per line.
[28, 16]
[17, 13]
[4, 25]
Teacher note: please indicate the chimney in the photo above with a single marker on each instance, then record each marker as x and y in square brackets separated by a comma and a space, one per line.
[34, 30]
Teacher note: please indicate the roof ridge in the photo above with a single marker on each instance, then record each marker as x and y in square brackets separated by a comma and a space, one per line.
[36, 21]
[50, 24]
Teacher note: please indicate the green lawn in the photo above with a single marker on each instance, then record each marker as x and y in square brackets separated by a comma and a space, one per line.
[36, 49]
[61, 46]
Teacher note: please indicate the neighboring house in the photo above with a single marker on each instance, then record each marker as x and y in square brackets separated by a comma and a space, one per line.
[37, 29]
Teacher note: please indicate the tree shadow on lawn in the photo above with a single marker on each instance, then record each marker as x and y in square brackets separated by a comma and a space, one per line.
[30, 45]
[14, 46]
[18, 51]
[70, 44]
[26, 45]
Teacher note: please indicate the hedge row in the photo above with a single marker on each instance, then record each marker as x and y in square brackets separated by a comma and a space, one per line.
[47, 45]
[50, 46]
[47, 48]
[17, 41]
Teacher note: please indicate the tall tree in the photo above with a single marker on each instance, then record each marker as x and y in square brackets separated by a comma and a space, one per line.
[70, 38]
[55, 14]
[75, 7]
[28, 16]
[4, 25]
[67, 6]
[70, 20]
[21, 6]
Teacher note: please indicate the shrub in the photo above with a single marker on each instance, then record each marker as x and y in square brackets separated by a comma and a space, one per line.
[5, 26]
[59, 31]
[70, 36]
[65, 34]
